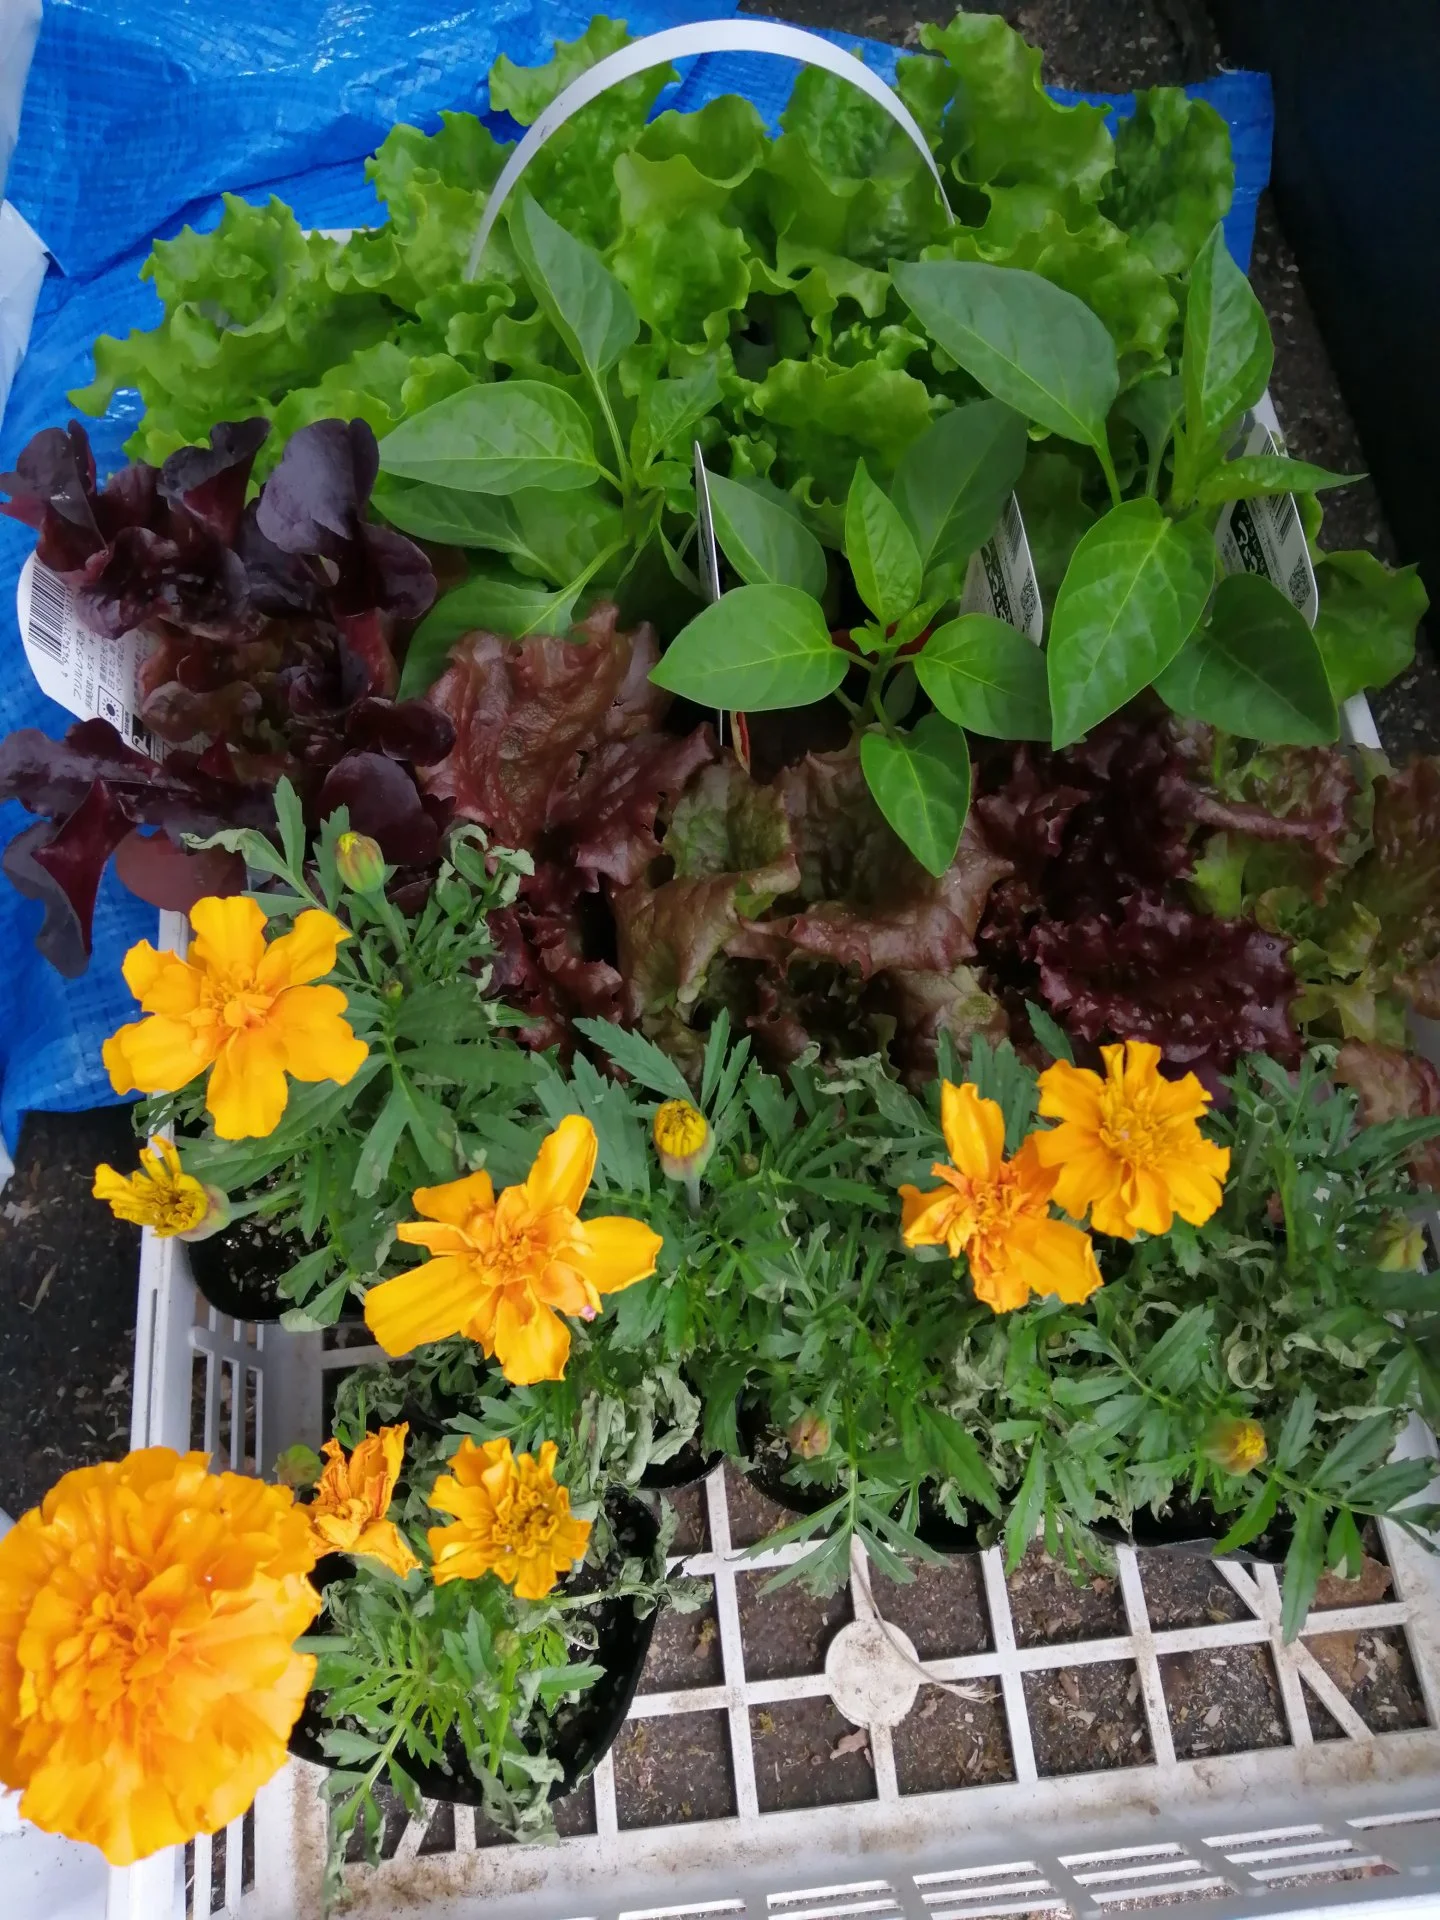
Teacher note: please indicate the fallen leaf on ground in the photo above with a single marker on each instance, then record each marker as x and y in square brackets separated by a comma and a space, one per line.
[43, 1288]
[856, 1742]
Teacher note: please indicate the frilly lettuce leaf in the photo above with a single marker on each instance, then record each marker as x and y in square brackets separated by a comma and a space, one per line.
[1174, 176]
[984, 110]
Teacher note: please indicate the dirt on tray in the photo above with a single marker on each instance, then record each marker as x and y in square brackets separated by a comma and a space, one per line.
[950, 1740]
[684, 1651]
[1088, 1717]
[942, 1609]
[672, 1769]
[1377, 1676]
[786, 1633]
[1223, 1701]
[1182, 1591]
[807, 1754]
[1048, 1604]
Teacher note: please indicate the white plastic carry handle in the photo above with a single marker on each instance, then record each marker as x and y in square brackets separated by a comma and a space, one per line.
[678, 43]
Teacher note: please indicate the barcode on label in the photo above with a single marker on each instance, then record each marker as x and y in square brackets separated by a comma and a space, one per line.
[1284, 517]
[1014, 530]
[47, 614]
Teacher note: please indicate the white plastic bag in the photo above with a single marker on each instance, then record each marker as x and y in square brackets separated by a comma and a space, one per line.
[22, 257]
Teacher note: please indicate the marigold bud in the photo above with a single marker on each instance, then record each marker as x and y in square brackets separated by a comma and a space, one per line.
[1400, 1246]
[809, 1436]
[359, 862]
[1236, 1445]
[298, 1466]
[682, 1139]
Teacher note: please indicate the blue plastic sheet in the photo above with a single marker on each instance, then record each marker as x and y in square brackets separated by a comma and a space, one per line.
[134, 123]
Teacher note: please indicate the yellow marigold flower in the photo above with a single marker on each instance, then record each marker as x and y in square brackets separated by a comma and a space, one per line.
[161, 1196]
[506, 1269]
[510, 1518]
[353, 1498]
[682, 1139]
[240, 1007]
[1129, 1148]
[148, 1678]
[1236, 1445]
[997, 1211]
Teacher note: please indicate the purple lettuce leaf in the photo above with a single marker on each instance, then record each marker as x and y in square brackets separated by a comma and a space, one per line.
[1394, 1084]
[1202, 989]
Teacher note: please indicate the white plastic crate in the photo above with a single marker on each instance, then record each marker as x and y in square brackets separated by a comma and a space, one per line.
[1316, 1822]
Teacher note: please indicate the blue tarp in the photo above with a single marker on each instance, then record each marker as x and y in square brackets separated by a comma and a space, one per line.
[135, 120]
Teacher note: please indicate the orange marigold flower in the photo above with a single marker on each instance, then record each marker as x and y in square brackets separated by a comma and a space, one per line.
[148, 1678]
[997, 1211]
[510, 1518]
[161, 1195]
[506, 1269]
[1129, 1147]
[353, 1498]
[240, 1007]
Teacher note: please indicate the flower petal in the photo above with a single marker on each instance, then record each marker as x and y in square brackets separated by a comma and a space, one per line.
[974, 1131]
[1071, 1093]
[563, 1168]
[931, 1219]
[617, 1252]
[431, 1303]
[307, 952]
[247, 1091]
[317, 1041]
[531, 1346]
[1054, 1257]
[457, 1200]
[1195, 1186]
[161, 1055]
[382, 1540]
[162, 982]
[229, 936]
[434, 1235]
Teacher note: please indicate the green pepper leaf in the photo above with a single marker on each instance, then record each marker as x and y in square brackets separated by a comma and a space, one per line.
[1254, 475]
[881, 549]
[1132, 595]
[589, 308]
[766, 543]
[496, 601]
[1154, 406]
[756, 649]
[921, 783]
[496, 438]
[982, 674]
[1228, 353]
[952, 482]
[1028, 343]
[1254, 669]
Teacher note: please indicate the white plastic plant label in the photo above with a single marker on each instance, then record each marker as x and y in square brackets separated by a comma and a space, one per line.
[1267, 536]
[95, 678]
[1001, 578]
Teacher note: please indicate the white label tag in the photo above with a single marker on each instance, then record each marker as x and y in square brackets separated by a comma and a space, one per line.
[1266, 536]
[1001, 578]
[93, 677]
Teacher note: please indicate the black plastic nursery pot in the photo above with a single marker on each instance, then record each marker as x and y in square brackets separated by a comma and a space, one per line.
[589, 1727]
[1196, 1529]
[683, 1469]
[239, 1270]
[769, 1455]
